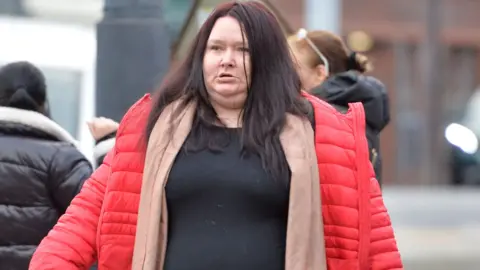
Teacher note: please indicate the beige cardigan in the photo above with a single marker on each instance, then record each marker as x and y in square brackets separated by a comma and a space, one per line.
[305, 248]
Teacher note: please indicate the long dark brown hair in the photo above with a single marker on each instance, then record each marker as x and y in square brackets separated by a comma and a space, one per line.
[274, 89]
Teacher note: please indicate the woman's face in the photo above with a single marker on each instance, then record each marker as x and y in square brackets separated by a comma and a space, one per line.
[311, 77]
[226, 64]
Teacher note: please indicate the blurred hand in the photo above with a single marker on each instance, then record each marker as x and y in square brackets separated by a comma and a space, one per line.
[101, 126]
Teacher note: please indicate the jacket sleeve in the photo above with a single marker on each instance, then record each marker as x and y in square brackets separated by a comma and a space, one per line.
[384, 254]
[69, 169]
[71, 244]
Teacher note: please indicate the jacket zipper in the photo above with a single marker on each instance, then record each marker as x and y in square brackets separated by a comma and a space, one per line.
[363, 178]
[374, 156]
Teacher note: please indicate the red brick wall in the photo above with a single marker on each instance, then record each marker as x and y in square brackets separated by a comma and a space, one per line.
[292, 10]
[389, 21]
[392, 19]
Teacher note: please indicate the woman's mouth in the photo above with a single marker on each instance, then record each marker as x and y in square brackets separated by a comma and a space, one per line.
[225, 77]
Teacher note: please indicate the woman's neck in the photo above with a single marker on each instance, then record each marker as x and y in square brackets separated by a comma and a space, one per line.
[230, 117]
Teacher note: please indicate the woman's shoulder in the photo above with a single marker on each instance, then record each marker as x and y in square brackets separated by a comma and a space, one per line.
[129, 137]
[135, 120]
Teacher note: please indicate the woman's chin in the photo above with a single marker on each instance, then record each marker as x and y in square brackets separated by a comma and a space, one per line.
[229, 90]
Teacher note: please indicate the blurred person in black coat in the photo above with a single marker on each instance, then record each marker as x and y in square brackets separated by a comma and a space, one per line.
[41, 169]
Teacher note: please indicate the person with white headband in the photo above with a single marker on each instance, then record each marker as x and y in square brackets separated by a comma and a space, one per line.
[330, 71]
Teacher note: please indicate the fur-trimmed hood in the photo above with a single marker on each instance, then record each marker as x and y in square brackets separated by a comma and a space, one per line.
[34, 121]
[102, 148]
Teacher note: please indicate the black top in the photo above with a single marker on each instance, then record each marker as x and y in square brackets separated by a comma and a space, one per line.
[225, 212]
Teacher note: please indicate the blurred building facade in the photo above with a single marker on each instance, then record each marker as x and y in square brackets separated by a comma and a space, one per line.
[392, 34]
[398, 30]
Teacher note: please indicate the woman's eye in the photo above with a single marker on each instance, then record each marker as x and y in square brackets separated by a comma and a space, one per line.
[214, 48]
[243, 49]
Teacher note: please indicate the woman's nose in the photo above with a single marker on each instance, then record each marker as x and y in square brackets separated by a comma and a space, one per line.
[227, 59]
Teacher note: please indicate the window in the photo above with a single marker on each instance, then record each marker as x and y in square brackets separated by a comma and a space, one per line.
[175, 15]
[63, 88]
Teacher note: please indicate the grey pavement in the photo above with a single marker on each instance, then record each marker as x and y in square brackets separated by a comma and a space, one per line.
[436, 228]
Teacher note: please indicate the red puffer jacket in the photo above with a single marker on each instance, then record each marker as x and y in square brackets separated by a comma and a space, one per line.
[101, 221]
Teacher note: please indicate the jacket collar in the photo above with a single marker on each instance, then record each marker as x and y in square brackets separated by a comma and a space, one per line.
[36, 121]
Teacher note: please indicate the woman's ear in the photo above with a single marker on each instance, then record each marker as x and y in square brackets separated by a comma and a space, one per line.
[321, 73]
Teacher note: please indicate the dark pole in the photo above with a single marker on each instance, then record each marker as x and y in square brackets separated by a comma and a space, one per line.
[406, 126]
[432, 98]
[133, 54]
[13, 7]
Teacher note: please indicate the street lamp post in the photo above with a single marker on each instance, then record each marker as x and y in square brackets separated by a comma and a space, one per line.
[133, 54]
[430, 61]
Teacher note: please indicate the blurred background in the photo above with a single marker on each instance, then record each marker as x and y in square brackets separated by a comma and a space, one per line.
[99, 56]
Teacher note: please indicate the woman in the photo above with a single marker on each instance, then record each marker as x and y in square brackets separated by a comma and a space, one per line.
[331, 72]
[226, 174]
[41, 170]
